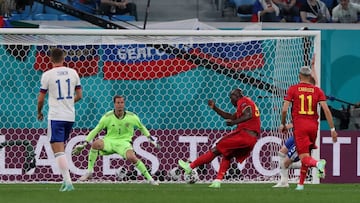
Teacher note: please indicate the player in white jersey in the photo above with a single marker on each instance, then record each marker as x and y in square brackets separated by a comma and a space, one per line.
[64, 89]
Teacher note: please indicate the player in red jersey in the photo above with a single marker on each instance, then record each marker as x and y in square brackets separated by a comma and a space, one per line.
[305, 98]
[238, 143]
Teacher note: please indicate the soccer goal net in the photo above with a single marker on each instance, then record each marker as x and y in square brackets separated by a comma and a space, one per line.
[167, 78]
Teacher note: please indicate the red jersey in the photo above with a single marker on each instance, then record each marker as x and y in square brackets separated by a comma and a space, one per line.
[252, 124]
[305, 99]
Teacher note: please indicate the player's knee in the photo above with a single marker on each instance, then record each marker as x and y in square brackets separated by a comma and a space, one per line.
[287, 162]
[130, 155]
[281, 154]
[283, 150]
[98, 145]
[133, 159]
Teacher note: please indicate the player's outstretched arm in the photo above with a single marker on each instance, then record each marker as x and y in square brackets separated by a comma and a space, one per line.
[313, 71]
[329, 119]
[223, 114]
[78, 148]
[154, 141]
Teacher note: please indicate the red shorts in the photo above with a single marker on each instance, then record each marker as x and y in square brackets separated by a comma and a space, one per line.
[238, 144]
[305, 136]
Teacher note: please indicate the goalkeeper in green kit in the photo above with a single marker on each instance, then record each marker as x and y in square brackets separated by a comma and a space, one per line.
[120, 125]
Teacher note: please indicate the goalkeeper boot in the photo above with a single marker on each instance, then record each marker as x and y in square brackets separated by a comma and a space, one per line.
[87, 176]
[186, 166]
[215, 184]
[320, 165]
[154, 182]
[281, 184]
[66, 187]
[299, 187]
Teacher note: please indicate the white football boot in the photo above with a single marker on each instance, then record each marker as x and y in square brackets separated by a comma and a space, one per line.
[86, 176]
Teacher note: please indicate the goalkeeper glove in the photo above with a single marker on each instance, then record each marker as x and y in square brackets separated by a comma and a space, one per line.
[78, 148]
[154, 141]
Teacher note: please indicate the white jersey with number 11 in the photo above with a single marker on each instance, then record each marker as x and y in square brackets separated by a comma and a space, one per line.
[60, 83]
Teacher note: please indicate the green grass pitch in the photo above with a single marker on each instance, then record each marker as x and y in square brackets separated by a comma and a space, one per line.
[182, 193]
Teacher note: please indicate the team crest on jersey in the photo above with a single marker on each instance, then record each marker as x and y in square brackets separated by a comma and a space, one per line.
[127, 125]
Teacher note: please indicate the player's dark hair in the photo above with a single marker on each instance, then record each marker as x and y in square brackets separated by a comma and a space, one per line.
[57, 55]
[117, 96]
[237, 91]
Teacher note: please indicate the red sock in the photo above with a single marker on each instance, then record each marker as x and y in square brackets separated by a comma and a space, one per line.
[303, 172]
[203, 159]
[224, 166]
[308, 161]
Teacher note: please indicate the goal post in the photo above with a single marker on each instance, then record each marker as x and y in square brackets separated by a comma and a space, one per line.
[166, 76]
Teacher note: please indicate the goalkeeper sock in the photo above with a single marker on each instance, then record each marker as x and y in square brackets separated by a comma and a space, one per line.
[142, 168]
[203, 159]
[61, 161]
[224, 166]
[93, 154]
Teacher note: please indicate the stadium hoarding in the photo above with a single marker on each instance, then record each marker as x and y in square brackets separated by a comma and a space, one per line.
[342, 157]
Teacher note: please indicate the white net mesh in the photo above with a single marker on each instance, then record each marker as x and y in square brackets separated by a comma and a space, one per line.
[166, 79]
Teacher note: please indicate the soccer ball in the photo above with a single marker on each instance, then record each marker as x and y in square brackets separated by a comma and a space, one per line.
[120, 173]
[191, 178]
[175, 174]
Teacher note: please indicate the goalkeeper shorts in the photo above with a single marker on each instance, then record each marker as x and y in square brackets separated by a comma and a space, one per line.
[115, 146]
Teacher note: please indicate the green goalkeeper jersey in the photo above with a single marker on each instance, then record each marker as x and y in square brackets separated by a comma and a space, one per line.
[118, 129]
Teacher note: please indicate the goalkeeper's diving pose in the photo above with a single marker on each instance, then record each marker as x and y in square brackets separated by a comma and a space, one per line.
[120, 125]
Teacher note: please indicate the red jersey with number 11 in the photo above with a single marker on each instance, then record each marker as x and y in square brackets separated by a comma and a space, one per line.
[305, 99]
